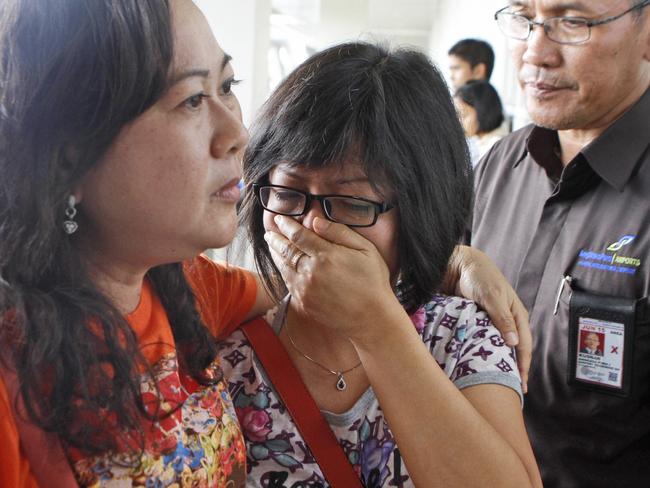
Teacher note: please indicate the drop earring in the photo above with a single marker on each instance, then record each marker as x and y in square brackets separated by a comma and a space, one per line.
[69, 225]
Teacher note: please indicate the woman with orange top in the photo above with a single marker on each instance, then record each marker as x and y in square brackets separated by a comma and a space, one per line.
[121, 157]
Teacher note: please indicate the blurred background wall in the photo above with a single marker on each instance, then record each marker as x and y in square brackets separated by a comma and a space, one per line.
[268, 38]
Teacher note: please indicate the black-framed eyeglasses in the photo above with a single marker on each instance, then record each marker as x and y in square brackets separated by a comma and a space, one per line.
[344, 209]
[563, 30]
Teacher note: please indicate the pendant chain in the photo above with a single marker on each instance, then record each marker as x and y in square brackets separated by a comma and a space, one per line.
[340, 384]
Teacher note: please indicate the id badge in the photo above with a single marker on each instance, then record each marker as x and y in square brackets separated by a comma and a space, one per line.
[601, 332]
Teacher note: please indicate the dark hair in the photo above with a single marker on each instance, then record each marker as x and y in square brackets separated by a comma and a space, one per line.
[72, 74]
[484, 98]
[392, 111]
[475, 52]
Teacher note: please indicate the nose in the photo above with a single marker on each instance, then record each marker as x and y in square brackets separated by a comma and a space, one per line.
[315, 210]
[540, 50]
[229, 134]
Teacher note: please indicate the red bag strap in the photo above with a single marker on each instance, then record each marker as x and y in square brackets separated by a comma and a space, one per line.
[43, 450]
[301, 406]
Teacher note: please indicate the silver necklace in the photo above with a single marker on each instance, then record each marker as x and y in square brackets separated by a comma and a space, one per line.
[340, 383]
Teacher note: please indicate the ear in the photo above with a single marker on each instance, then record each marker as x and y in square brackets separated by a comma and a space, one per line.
[479, 72]
[77, 192]
[71, 157]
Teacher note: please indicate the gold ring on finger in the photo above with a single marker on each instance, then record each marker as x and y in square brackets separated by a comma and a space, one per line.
[295, 259]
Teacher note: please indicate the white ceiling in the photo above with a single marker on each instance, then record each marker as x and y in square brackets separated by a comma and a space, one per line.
[307, 11]
[382, 14]
[403, 14]
[326, 22]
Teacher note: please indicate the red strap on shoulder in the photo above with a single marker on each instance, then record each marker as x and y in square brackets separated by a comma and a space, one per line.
[303, 409]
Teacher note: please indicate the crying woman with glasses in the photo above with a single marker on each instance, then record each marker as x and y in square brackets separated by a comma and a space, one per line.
[360, 188]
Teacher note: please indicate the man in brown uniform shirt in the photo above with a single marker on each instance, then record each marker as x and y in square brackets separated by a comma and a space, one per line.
[563, 207]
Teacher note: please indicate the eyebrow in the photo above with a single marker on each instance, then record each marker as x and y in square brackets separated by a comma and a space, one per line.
[198, 72]
[349, 181]
[190, 73]
[340, 181]
[577, 5]
[226, 59]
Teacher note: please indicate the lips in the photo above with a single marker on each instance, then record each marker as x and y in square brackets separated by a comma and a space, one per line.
[545, 82]
[545, 86]
[544, 90]
[230, 192]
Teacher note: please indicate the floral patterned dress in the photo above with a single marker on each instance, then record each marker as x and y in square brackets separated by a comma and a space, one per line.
[197, 442]
[461, 338]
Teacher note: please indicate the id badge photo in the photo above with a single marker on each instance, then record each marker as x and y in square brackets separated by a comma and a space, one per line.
[601, 333]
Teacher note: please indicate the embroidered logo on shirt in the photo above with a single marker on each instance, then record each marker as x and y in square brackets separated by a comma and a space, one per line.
[622, 242]
[610, 260]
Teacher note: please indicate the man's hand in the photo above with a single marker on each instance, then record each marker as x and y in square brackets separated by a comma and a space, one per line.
[473, 275]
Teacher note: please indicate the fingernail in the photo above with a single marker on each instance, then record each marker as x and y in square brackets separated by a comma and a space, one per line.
[511, 338]
[321, 224]
[267, 236]
[278, 219]
[524, 387]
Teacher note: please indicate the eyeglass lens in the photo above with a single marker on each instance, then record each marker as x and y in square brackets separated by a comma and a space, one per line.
[345, 210]
[558, 29]
[282, 200]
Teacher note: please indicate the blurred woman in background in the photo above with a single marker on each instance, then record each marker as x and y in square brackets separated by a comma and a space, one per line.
[481, 115]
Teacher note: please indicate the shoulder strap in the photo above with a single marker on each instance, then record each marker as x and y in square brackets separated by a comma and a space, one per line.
[43, 450]
[303, 409]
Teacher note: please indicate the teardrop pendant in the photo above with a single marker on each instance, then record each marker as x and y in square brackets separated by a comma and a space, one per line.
[341, 384]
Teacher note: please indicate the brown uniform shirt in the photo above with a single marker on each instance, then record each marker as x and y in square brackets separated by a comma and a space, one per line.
[540, 222]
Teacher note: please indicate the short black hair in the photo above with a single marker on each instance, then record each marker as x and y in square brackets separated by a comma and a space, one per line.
[475, 52]
[390, 110]
[484, 98]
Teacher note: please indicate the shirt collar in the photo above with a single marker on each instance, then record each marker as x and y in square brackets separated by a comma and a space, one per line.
[613, 156]
[542, 145]
[616, 153]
